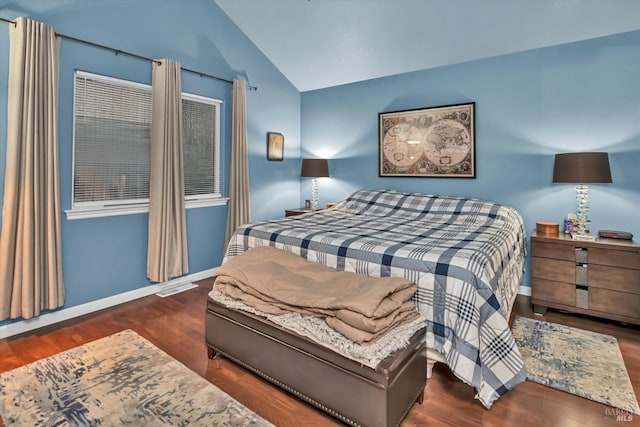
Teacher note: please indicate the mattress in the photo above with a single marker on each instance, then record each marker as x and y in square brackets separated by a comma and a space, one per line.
[466, 255]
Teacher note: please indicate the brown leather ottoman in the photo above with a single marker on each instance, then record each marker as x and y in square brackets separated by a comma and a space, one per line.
[351, 392]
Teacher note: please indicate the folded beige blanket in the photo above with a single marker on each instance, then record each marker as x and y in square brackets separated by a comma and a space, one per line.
[275, 281]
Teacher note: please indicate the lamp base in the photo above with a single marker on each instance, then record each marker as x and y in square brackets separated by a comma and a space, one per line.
[314, 194]
[582, 214]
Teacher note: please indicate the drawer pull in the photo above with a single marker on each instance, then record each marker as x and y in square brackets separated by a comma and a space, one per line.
[582, 297]
[582, 275]
[581, 255]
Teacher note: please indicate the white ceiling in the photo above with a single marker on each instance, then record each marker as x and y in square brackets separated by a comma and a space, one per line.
[323, 43]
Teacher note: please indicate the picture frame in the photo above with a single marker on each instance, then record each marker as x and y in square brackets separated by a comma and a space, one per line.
[275, 146]
[437, 142]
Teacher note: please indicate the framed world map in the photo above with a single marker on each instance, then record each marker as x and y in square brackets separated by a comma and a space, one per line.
[428, 142]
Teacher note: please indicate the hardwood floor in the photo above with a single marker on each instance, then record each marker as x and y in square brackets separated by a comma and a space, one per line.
[176, 325]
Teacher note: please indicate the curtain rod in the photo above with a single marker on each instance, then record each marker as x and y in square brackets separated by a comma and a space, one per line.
[135, 55]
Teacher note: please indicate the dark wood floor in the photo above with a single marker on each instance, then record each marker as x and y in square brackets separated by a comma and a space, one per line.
[176, 325]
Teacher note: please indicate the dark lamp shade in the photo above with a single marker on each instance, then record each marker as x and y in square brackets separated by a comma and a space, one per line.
[315, 168]
[582, 168]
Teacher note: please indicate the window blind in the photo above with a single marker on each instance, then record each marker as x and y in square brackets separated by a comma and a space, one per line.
[112, 132]
[201, 151]
[111, 141]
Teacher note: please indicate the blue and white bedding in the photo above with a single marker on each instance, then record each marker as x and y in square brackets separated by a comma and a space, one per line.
[466, 255]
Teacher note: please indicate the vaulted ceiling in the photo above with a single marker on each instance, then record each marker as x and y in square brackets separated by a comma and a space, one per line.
[323, 43]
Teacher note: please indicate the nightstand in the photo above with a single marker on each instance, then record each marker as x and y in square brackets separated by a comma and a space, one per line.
[298, 211]
[599, 278]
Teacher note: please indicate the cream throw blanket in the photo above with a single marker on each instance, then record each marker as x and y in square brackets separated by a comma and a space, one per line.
[274, 281]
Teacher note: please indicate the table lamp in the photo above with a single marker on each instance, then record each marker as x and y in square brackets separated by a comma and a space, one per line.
[582, 168]
[315, 168]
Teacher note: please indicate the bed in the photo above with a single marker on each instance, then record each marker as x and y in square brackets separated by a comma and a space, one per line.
[466, 255]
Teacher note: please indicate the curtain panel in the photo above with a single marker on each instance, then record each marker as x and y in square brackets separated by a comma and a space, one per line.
[167, 243]
[30, 242]
[239, 209]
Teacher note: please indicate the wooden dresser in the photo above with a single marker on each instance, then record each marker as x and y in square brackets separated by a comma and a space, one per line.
[599, 278]
[299, 211]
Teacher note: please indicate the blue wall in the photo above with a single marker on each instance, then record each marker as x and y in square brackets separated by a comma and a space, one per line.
[103, 257]
[581, 96]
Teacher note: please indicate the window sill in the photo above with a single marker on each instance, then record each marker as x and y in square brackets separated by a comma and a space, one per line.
[103, 211]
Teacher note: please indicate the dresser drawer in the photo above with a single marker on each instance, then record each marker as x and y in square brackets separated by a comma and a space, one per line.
[553, 250]
[550, 291]
[553, 269]
[615, 258]
[620, 303]
[617, 279]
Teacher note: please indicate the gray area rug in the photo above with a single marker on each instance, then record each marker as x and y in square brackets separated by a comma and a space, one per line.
[118, 380]
[584, 363]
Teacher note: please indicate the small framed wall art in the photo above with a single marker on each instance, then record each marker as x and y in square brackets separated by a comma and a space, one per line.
[428, 142]
[275, 146]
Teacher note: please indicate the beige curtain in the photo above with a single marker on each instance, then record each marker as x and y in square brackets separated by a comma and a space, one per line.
[167, 244]
[239, 210]
[30, 248]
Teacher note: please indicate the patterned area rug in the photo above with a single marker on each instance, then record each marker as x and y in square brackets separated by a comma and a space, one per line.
[122, 379]
[580, 362]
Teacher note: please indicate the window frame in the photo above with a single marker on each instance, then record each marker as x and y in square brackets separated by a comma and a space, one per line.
[82, 210]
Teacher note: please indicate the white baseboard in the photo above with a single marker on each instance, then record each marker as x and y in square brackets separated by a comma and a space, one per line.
[90, 307]
[524, 290]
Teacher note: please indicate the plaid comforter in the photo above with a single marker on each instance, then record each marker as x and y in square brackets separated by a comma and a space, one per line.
[466, 255]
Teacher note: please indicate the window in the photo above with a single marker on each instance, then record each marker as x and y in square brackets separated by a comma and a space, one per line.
[112, 131]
